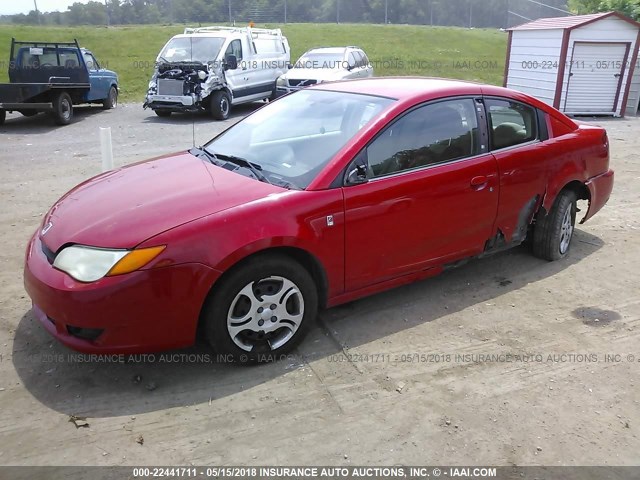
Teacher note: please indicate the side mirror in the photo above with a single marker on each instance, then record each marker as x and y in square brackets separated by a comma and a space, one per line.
[231, 62]
[357, 175]
[289, 66]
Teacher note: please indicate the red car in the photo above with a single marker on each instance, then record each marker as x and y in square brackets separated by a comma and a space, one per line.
[332, 193]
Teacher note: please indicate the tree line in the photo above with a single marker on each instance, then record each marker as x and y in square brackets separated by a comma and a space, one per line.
[464, 13]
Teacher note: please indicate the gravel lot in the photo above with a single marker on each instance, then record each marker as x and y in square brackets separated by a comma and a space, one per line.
[357, 391]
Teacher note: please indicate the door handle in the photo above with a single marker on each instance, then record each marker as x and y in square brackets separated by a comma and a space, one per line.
[479, 182]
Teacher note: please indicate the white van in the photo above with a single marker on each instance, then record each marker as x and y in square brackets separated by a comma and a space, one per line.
[212, 68]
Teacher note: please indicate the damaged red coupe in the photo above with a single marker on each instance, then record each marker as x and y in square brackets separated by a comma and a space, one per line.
[329, 194]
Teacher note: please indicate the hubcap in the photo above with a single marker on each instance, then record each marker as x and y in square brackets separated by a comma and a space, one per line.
[265, 314]
[566, 231]
[66, 109]
[224, 106]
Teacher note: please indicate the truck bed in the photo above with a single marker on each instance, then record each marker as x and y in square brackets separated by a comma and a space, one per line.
[25, 95]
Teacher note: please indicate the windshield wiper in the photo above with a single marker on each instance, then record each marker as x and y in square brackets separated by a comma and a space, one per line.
[243, 162]
[287, 184]
[201, 152]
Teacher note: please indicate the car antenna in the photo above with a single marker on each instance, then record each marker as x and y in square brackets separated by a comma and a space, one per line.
[193, 119]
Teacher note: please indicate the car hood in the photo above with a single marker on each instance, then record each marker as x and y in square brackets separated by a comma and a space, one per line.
[320, 74]
[124, 207]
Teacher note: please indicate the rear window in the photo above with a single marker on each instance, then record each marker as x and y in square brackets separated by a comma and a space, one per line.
[49, 57]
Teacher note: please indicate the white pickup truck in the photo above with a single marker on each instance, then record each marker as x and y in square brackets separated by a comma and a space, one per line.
[212, 68]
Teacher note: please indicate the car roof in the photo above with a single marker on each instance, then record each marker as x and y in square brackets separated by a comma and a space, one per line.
[404, 88]
[327, 50]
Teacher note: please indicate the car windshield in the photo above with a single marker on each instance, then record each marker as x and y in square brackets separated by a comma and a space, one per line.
[321, 60]
[291, 140]
[191, 49]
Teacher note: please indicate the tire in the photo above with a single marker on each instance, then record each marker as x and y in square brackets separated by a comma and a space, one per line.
[220, 105]
[3, 116]
[62, 109]
[28, 113]
[553, 232]
[266, 326]
[163, 113]
[112, 100]
[274, 92]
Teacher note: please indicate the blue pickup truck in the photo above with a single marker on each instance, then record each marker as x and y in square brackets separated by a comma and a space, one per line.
[53, 77]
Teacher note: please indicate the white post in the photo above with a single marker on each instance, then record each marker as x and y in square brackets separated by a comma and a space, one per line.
[106, 148]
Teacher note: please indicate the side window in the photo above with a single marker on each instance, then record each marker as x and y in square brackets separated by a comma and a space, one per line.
[235, 48]
[90, 62]
[365, 59]
[359, 60]
[432, 134]
[351, 59]
[511, 123]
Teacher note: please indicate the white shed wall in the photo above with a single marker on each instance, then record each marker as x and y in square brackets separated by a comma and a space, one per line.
[611, 29]
[534, 61]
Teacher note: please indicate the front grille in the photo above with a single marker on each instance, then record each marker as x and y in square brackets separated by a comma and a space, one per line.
[301, 82]
[167, 86]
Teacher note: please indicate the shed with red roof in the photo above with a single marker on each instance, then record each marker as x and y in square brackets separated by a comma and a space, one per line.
[581, 64]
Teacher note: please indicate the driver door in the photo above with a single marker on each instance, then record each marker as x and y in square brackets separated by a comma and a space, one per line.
[430, 196]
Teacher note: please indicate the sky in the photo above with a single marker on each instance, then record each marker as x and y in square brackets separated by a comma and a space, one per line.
[8, 7]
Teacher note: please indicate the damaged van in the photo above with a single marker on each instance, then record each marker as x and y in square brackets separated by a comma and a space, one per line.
[212, 68]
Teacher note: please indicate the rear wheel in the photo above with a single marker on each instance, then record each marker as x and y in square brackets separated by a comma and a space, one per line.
[220, 105]
[3, 116]
[62, 109]
[553, 232]
[112, 100]
[163, 113]
[261, 310]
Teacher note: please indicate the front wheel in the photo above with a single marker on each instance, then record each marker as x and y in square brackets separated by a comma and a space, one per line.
[62, 109]
[163, 113]
[553, 232]
[220, 105]
[112, 99]
[3, 116]
[261, 310]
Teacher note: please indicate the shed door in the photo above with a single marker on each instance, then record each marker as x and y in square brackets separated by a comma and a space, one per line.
[595, 77]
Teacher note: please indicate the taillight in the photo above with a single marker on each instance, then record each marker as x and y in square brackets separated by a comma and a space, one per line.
[605, 140]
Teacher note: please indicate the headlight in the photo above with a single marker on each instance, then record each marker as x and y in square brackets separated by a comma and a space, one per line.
[281, 82]
[88, 264]
[152, 84]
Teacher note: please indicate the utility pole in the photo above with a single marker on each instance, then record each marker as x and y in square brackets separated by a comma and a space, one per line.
[35, 4]
[106, 9]
[386, 12]
[337, 11]
[285, 11]
[230, 20]
[470, 13]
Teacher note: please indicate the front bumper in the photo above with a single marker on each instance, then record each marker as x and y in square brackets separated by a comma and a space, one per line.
[600, 188]
[173, 103]
[141, 312]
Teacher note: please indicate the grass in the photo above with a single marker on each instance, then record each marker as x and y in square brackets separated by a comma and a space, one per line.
[451, 52]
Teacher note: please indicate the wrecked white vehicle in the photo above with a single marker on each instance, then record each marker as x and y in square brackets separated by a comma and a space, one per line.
[212, 68]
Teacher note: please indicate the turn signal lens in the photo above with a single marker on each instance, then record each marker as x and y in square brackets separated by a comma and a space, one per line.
[135, 259]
